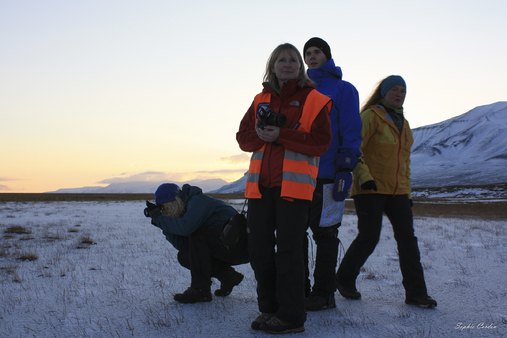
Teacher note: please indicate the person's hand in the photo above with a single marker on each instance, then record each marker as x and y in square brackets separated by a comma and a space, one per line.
[369, 185]
[153, 211]
[268, 134]
[345, 161]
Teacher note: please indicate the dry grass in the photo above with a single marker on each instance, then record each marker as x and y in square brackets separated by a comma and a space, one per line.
[17, 229]
[462, 208]
[429, 207]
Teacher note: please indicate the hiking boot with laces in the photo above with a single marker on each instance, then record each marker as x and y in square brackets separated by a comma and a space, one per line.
[424, 301]
[262, 318]
[276, 325]
[228, 284]
[192, 295]
[316, 302]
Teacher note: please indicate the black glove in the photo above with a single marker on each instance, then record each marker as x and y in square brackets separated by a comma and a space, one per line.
[152, 210]
[369, 185]
[345, 162]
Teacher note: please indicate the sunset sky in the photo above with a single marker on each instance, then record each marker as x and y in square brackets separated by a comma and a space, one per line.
[95, 92]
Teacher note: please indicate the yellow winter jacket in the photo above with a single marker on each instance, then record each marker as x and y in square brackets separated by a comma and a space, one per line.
[386, 154]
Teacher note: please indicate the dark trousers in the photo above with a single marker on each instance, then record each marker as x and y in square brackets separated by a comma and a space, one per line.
[369, 209]
[275, 241]
[205, 257]
[326, 240]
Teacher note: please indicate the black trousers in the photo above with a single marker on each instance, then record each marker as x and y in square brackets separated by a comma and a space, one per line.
[370, 208]
[327, 242]
[277, 231]
[205, 257]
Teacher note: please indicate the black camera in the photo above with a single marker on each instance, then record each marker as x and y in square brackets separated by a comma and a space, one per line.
[270, 118]
[150, 207]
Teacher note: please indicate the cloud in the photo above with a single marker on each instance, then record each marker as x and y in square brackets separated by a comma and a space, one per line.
[4, 187]
[222, 171]
[235, 159]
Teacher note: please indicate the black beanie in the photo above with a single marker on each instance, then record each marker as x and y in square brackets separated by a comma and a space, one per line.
[320, 44]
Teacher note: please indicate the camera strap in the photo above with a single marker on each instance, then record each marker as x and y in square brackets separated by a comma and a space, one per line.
[243, 212]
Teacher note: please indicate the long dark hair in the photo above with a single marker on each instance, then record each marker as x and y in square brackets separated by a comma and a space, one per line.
[374, 98]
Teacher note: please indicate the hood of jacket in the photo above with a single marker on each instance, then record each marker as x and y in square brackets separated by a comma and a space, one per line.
[188, 191]
[328, 69]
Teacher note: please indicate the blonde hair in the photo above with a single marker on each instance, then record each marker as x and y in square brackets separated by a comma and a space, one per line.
[270, 76]
[174, 209]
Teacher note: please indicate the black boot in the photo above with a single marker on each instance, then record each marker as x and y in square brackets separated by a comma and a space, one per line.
[262, 318]
[228, 283]
[348, 291]
[192, 295]
[421, 301]
[318, 302]
[276, 325]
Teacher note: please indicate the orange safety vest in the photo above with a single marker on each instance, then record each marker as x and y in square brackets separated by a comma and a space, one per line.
[300, 171]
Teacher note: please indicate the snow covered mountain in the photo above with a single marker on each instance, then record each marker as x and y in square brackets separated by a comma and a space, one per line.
[469, 149]
[235, 187]
[141, 187]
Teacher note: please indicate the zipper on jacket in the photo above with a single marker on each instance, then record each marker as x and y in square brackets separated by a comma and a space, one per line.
[398, 167]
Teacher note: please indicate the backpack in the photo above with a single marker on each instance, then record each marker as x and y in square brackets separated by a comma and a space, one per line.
[234, 234]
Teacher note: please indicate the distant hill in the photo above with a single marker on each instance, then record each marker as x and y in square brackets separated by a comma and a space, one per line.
[141, 187]
[469, 149]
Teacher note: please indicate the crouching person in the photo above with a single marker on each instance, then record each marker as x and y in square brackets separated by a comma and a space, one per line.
[192, 222]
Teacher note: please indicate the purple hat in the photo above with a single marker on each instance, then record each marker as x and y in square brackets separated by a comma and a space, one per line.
[166, 192]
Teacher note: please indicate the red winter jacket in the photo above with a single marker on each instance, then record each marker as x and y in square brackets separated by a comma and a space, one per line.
[290, 102]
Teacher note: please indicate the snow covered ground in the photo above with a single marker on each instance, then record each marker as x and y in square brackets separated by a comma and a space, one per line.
[100, 269]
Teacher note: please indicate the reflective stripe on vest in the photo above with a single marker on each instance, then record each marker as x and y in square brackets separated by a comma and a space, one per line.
[300, 171]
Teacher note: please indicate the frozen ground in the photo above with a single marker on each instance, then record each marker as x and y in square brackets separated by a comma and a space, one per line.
[100, 269]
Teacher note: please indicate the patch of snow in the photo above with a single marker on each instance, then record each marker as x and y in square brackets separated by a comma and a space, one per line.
[120, 282]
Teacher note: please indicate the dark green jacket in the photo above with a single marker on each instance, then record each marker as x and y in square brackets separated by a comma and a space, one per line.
[202, 211]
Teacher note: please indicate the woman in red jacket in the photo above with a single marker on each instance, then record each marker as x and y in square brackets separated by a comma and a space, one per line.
[280, 184]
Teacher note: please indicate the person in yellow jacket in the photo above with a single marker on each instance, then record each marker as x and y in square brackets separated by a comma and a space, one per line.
[382, 185]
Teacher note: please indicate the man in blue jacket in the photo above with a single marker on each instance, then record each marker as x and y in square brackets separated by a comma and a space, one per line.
[192, 222]
[335, 170]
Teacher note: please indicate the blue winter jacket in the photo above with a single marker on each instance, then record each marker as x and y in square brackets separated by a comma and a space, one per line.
[345, 120]
[202, 211]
